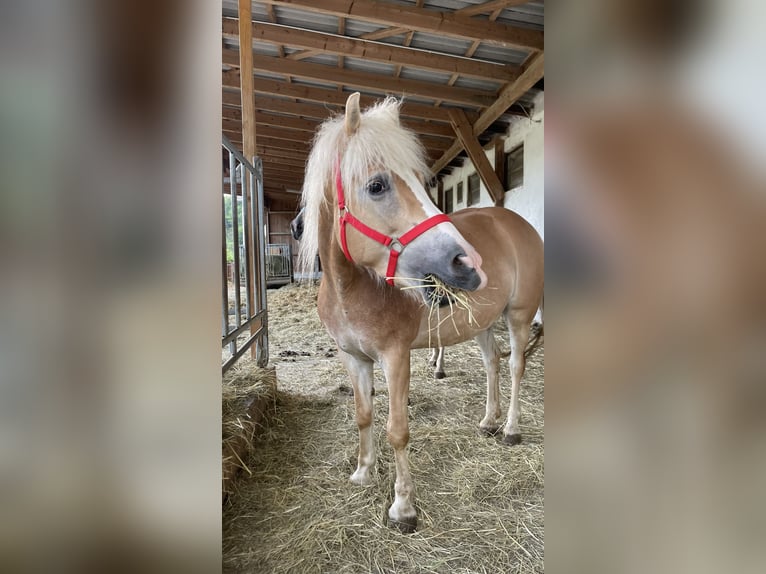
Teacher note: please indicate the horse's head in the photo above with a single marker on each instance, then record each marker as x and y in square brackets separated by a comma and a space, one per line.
[296, 226]
[364, 185]
[387, 221]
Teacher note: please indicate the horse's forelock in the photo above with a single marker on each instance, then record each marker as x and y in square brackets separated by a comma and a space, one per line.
[381, 140]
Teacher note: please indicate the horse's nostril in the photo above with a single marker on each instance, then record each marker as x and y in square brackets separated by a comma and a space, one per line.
[457, 261]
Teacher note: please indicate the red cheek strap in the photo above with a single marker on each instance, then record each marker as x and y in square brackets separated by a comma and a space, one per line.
[396, 245]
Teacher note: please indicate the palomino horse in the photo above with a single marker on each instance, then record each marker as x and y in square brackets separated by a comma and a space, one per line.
[379, 236]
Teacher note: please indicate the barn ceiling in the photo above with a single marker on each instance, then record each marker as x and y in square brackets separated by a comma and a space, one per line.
[484, 57]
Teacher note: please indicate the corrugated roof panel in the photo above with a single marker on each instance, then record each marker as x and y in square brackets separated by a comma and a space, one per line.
[369, 66]
[501, 54]
[425, 75]
[268, 75]
[265, 49]
[356, 28]
[231, 10]
[531, 14]
[324, 59]
[305, 19]
[477, 84]
[314, 83]
[440, 43]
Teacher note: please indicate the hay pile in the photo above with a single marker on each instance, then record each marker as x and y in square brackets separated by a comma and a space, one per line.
[247, 395]
[480, 503]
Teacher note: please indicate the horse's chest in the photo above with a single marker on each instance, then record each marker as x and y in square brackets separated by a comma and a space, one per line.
[356, 328]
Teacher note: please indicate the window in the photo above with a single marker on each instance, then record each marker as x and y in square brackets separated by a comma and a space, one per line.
[474, 189]
[514, 168]
[460, 192]
[448, 201]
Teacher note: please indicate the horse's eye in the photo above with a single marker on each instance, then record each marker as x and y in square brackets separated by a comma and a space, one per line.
[376, 187]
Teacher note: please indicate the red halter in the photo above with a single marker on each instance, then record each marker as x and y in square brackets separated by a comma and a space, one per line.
[396, 245]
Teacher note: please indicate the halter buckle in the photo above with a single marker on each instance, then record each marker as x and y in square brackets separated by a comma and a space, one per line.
[396, 246]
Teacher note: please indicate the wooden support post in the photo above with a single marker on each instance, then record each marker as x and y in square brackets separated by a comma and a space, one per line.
[500, 159]
[248, 138]
[464, 132]
[440, 196]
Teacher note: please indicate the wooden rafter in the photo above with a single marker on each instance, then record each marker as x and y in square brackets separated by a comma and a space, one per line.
[365, 80]
[313, 115]
[512, 92]
[465, 134]
[386, 53]
[326, 96]
[443, 23]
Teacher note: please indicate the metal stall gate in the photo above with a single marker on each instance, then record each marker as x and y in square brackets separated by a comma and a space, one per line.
[244, 269]
[279, 264]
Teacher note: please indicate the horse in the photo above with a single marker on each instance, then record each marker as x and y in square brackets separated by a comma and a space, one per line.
[395, 269]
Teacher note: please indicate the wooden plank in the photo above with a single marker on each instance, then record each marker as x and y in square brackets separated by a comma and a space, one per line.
[268, 119]
[470, 10]
[464, 132]
[231, 126]
[508, 95]
[310, 113]
[297, 163]
[424, 20]
[377, 52]
[370, 81]
[326, 96]
[248, 137]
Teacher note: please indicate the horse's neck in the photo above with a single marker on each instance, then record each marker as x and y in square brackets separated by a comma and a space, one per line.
[347, 284]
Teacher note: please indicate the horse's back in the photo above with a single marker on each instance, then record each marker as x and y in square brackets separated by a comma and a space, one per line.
[511, 249]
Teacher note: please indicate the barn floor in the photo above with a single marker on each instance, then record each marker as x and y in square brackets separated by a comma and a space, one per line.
[480, 503]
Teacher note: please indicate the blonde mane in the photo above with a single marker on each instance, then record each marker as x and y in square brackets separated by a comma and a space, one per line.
[380, 141]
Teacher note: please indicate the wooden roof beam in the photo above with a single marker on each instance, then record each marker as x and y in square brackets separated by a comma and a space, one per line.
[316, 112]
[386, 53]
[397, 30]
[508, 95]
[445, 23]
[230, 79]
[464, 132]
[370, 81]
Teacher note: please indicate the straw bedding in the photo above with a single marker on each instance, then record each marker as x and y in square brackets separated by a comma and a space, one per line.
[480, 503]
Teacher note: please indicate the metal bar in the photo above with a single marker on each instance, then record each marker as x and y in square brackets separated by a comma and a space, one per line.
[233, 150]
[246, 189]
[243, 327]
[263, 347]
[224, 271]
[233, 359]
[235, 233]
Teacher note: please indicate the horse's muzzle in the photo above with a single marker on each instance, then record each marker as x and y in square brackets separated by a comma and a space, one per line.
[457, 271]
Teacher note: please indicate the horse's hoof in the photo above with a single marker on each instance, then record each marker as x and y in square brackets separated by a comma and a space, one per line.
[512, 439]
[488, 431]
[408, 525]
[439, 375]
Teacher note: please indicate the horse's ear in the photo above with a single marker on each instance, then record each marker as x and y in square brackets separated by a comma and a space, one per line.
[353, 115]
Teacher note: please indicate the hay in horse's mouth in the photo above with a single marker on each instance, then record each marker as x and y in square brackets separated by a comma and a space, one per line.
[437, 293]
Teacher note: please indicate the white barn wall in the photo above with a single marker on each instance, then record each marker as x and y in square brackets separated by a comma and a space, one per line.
[527, 199]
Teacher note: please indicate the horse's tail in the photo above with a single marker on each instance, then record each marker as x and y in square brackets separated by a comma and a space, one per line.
[537, 337]
[534, 342]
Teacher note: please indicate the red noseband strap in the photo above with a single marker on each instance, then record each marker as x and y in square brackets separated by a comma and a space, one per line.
[396, 245]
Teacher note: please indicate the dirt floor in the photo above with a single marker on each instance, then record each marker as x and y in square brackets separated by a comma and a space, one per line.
[480, 503]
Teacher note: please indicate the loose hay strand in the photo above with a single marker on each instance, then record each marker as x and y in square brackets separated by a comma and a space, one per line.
[480, 504]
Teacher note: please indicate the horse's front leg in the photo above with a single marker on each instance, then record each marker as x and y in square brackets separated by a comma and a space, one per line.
[360, 371]
[396, 365]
